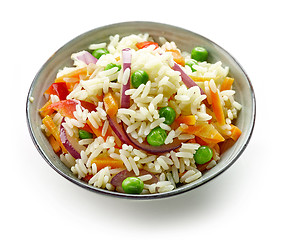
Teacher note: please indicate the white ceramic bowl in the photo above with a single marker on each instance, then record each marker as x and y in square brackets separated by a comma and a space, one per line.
[185, 40]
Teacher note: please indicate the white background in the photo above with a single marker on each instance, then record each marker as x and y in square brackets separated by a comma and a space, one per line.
[37, 203]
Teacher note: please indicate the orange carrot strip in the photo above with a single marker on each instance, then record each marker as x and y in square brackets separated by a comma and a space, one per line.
[235, 132]
[188, 120]
[97, 131]
[217, 107]
[226, 84]
[54, 143]
[110, 104]
[178, 58]
[73, 74]
[105, 161]
[50, 125]
[44, 111]
[200, 79]
[205, 131]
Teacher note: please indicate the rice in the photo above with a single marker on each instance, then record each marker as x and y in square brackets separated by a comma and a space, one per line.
[164, 88]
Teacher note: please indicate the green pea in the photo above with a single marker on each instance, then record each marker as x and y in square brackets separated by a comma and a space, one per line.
[99, 52]
[190, 63]
[156, 137]
[203, 154]
[139, 77]
[112, 65]
[132, 185]
[84, 134]
[200, 54]
[168, 113]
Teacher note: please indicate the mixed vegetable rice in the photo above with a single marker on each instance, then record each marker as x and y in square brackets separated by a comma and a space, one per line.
[139, 116]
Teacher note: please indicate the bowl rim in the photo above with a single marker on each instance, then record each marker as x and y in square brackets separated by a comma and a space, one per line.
[174, 192]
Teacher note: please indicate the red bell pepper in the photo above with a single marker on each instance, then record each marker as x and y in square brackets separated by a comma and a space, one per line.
[59, 89]
[141, 45]
[67, 107]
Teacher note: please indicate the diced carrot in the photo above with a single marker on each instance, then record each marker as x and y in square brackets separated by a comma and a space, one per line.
[74, 74]
[235, 132]
[205, 131]
[117, 58]
[178, 58]
[217, 107]
[200, 79]
[97, 131]
[226, 84]
[50, 125]
[188, 120]
[54, 143]
[105, 161]
[44, 111]
[110, 104]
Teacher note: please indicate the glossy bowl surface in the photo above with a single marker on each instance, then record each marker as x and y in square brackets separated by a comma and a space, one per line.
[185, 40]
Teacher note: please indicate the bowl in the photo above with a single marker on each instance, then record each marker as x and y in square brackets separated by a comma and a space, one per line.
[185, 40]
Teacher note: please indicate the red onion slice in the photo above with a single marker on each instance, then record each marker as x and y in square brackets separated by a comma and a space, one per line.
[129, 140]
[118, 130]
[119, 178]
[127, 60]
[70, 143]
[87, 58]
[186, 79]
[154, 149]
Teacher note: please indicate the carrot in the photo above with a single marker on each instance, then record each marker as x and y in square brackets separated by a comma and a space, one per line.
[200, 79]
[110, 104]
[217, 107]
[44, 111]
[54, 143]
[205, 131]
[188, 120]
[74, 74]
[105, 161]
[97, 131]
[235, 132]
[117, 58]
[50, 125]
[178, 58]
[226, 84]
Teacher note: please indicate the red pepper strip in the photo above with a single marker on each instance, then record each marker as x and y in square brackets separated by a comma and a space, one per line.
[141, 45]
[67, 107]
[59, 89]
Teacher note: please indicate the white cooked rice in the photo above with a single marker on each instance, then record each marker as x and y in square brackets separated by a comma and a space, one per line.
[163, 89]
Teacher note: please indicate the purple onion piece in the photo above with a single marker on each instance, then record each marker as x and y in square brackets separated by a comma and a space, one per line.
[186, 79]
[70, 143]
[154, 149]
[87, 58]
[119, 178]
[127, 60]
[118, 130]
